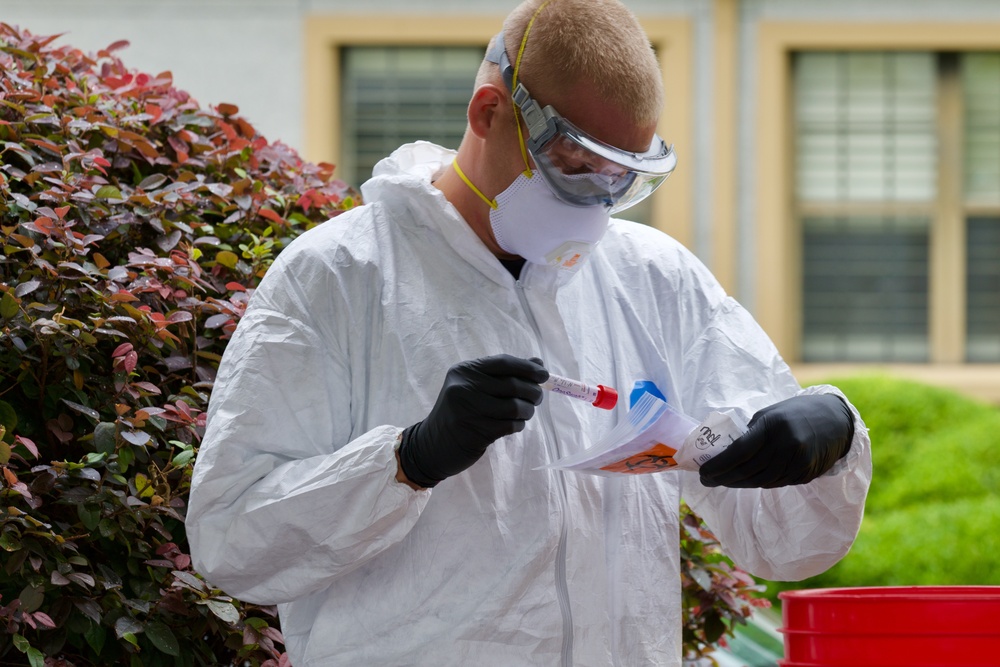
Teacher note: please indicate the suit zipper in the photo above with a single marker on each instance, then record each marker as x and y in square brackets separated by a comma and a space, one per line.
[562, 587]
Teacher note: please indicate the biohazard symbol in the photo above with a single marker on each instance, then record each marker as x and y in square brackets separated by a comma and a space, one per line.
[656, 458]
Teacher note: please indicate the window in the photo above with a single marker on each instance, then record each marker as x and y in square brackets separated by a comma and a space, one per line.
[876, 136]
[395, 95]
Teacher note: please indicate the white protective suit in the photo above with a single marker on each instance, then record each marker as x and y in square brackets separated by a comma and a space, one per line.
[346, 342]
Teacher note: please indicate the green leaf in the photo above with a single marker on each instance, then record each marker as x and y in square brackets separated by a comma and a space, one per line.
[31, 598]
[224, 610]
[227, 259]
[714, 627]
[89, 515]
[8, 305]
[4, 457]
[96, 637]
[163, 638]
[8, 416]
[104, 437]
[36, 658]
[143, 487]
[126, 625]
[82, 409]
[10, 540]
[183, 458]
[21, 644]
[125, 458]
[108, 192]
[94, 457]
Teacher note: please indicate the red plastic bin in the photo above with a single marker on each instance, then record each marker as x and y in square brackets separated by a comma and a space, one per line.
[902, 626]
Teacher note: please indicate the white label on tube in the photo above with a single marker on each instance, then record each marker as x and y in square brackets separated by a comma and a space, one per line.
[567, 387]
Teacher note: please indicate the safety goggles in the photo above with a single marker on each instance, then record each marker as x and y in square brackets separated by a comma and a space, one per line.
[580, 169]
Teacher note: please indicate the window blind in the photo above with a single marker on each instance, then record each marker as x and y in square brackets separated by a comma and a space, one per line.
[394, 95]
[865, 283]
[983, 289]
[980, 74]
[865, 126]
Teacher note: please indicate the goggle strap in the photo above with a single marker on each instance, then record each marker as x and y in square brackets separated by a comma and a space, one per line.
[517, 67]
[492, 203]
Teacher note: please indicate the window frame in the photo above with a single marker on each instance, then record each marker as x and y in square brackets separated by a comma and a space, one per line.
[324, 37]
[778, 247]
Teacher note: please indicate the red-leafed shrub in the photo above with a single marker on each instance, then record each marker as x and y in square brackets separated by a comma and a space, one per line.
[718, 597]
[134, 226]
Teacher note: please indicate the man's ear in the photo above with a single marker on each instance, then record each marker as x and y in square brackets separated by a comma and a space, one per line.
[486, 108]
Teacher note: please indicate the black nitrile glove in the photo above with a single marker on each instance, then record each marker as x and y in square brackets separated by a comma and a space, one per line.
[791, 442]
[481, 400]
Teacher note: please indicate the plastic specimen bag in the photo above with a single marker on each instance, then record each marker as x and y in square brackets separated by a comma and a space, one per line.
[654, 437]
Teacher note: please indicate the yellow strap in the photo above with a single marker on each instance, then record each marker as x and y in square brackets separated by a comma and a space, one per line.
[461, 174]
[513, 87]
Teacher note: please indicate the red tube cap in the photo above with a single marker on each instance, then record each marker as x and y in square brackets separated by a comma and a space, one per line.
[607, 398]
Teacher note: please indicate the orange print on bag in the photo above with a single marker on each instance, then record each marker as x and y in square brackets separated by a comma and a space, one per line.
[657, 457]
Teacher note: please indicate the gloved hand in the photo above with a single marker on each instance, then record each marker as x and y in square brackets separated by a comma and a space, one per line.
[481, 400]
[791, 442]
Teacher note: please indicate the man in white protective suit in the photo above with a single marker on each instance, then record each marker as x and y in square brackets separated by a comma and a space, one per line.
[373, 457]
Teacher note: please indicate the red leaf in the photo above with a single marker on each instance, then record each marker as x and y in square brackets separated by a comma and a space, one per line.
[166, 548]
[45, 144]
[228, 109]
[228, 130]
[44, 619]
[235, 287]
[120, 44]
[122, 350]
[271, 215]
[130, 361]
[28, 444]
[305, 201]
[62, 211]
[155, 111]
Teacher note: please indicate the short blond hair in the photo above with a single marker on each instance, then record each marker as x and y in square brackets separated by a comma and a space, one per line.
[599, 41]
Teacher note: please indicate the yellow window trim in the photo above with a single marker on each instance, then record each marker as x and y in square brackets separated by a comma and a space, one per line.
[325, 36]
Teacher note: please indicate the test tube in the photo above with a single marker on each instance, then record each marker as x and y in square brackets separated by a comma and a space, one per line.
[597, 395]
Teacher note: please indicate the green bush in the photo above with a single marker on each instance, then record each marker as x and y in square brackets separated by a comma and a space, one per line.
[135, 226]
[933, 512]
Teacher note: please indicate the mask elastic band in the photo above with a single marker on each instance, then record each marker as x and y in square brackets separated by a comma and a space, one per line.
[513, 87]
[492, 203]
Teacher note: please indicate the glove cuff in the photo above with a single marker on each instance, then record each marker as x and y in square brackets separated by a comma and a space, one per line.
[850, 427]
[407, 458]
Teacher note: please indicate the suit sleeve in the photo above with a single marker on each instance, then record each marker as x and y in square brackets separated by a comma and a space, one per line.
[285, 497]
[789, 533]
